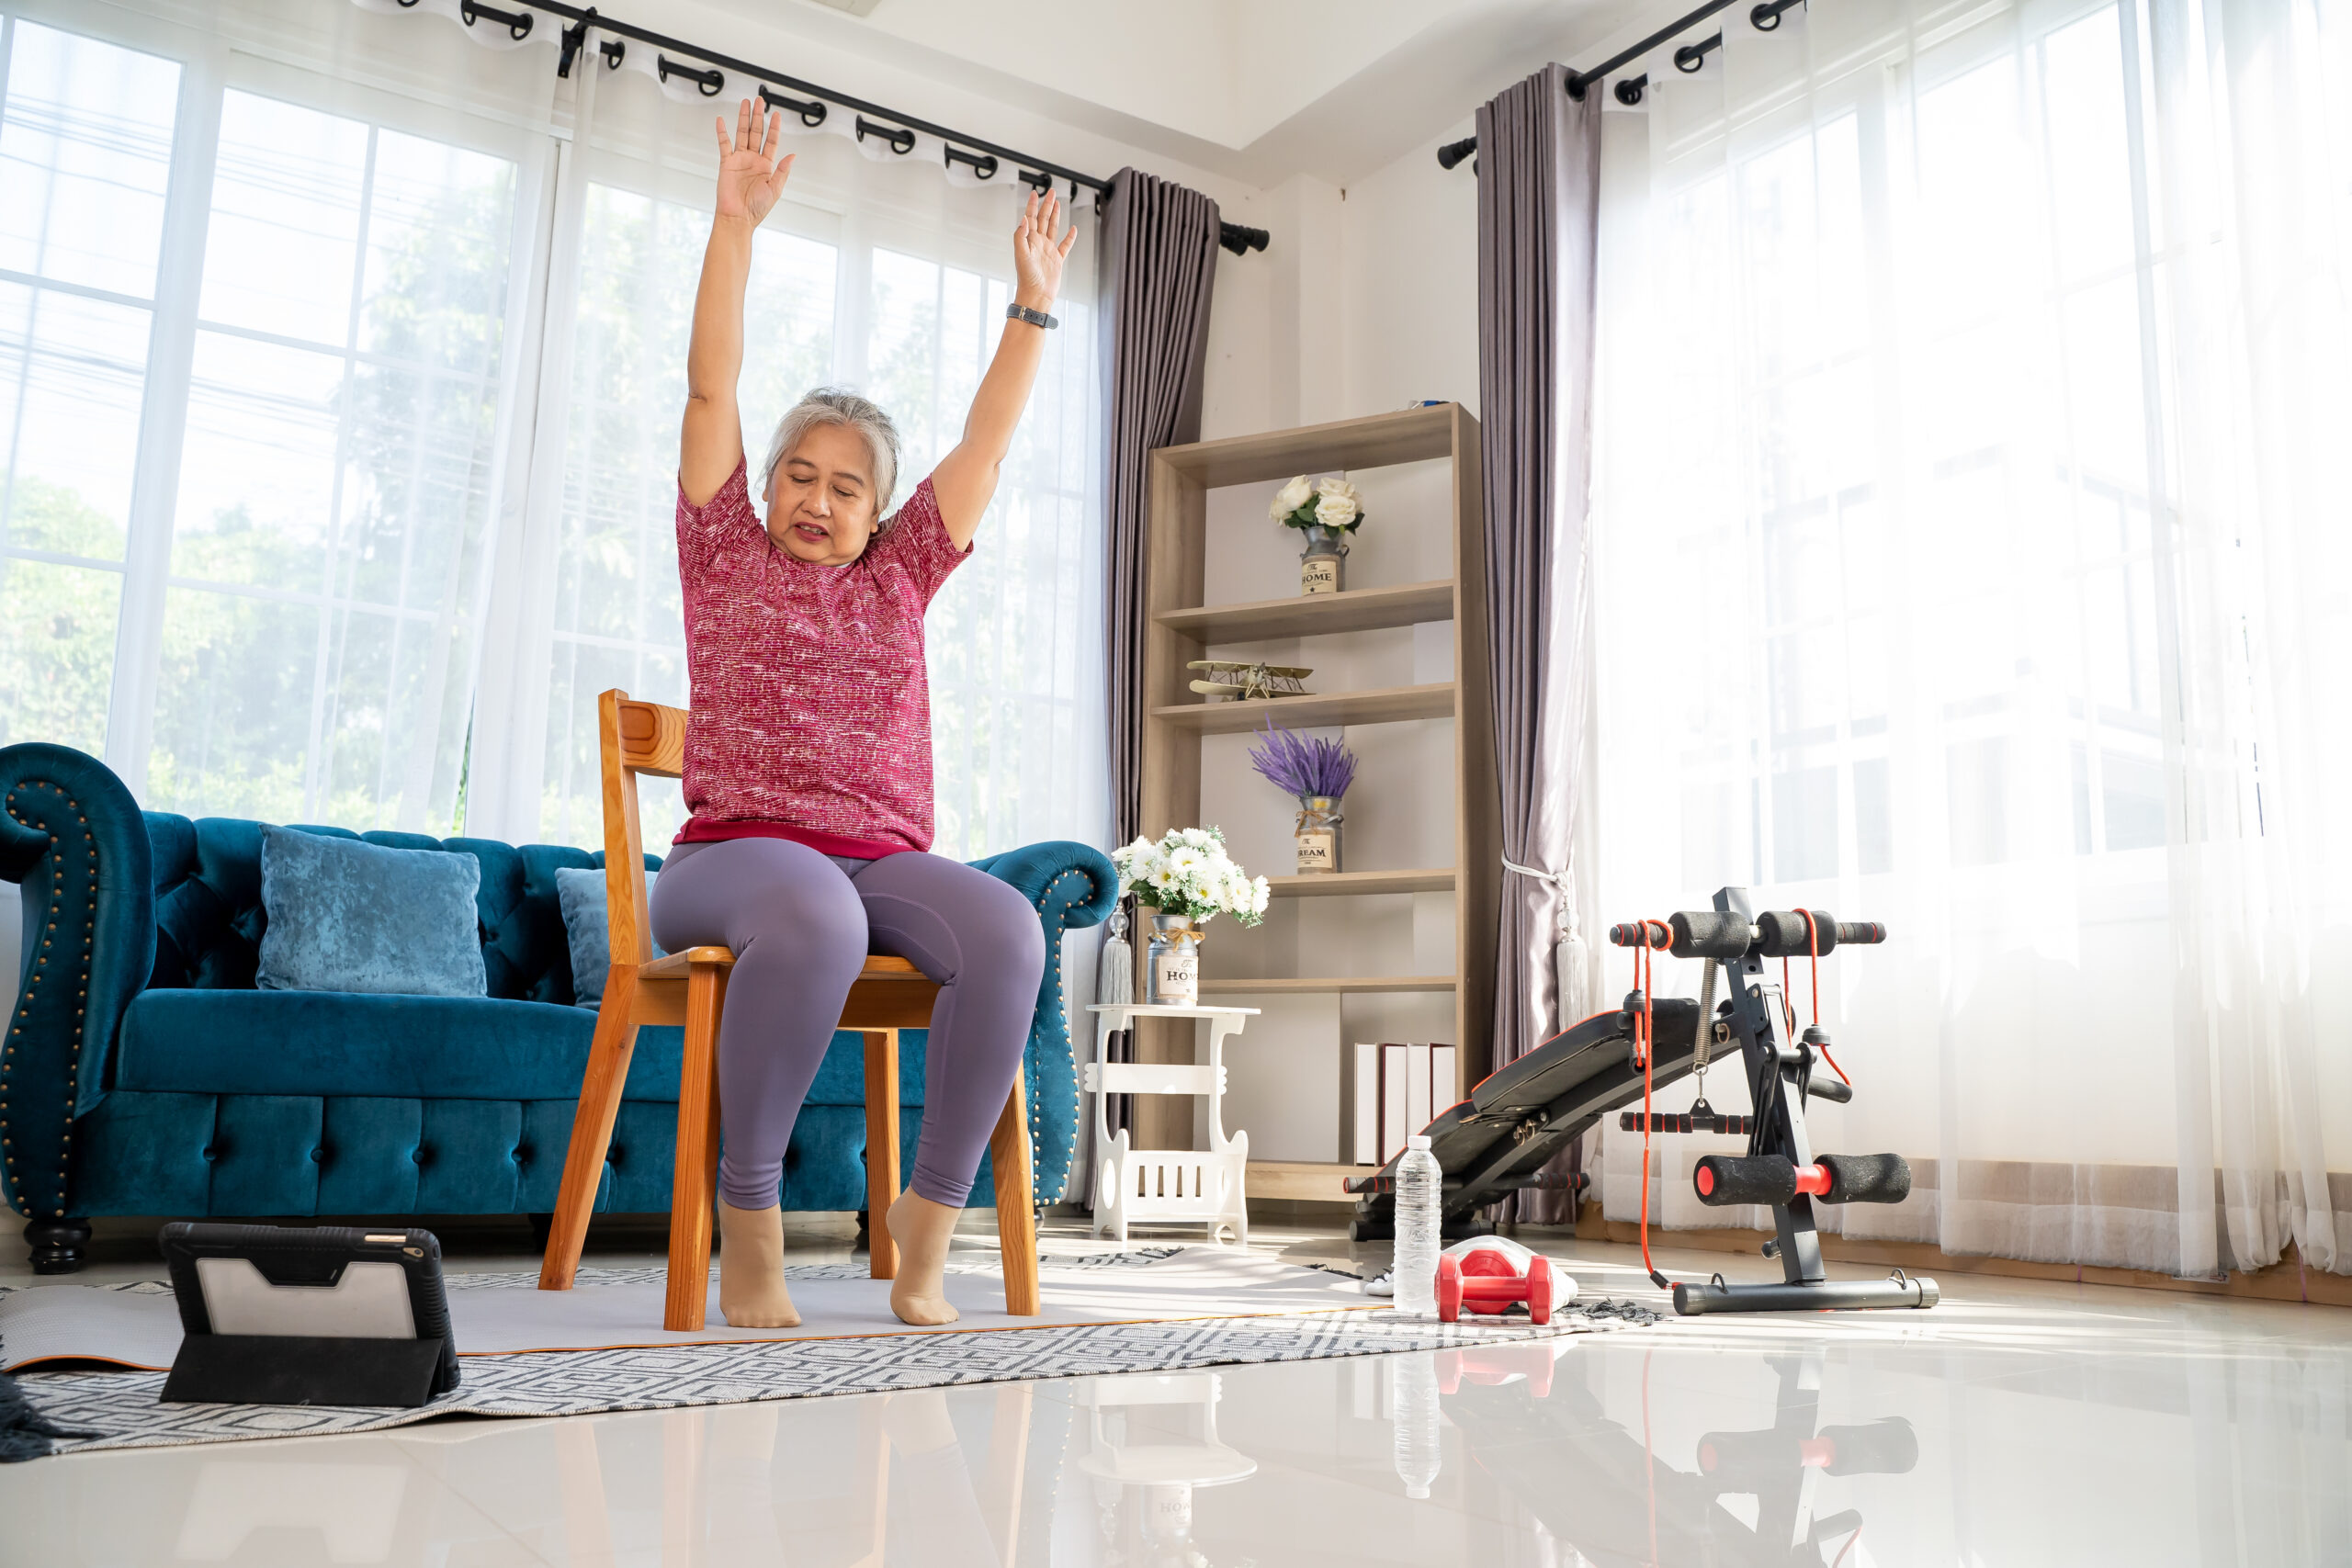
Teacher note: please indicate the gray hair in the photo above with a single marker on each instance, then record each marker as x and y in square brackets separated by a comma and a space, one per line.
[834, 405]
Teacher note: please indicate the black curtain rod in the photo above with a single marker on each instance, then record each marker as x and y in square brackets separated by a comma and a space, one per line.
[1763, 17]
[1038, 172]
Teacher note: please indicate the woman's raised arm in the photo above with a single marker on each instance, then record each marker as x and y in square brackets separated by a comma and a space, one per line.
[965, 481]
[751, 177]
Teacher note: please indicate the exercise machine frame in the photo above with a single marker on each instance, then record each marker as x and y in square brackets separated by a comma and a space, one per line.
[1780, 1082]
[1525, 1113]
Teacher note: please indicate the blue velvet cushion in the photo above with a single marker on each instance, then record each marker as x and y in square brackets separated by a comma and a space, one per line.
[345, 915]
[587, 924]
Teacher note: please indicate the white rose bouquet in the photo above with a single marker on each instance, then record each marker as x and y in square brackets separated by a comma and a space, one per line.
[1188, 872]
[1327, 502]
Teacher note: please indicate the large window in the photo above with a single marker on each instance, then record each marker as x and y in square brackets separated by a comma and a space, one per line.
[335, 484]
[85, 153]
[252, 373]
[340, 368]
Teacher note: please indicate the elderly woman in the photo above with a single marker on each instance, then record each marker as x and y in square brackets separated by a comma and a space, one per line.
[808, 766]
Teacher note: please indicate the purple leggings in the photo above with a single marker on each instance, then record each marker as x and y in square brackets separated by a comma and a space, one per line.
[801, 924]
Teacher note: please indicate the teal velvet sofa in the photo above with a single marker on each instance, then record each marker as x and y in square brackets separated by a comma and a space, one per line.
[144, 1074]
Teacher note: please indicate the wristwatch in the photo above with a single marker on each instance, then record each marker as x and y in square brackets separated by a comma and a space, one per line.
[1034, 318]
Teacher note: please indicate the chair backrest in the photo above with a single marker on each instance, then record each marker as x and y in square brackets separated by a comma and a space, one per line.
[634, 738]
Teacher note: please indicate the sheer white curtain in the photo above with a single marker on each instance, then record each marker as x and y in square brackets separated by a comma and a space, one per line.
[1967, 556]
[258, 390]
[342, 356]
[881, 275]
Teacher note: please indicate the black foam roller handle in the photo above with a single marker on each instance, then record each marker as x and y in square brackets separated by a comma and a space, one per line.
[1635, 934]
[1866, 1178]
[1708, 933]
[1780, 933]
[1886, 1446]
[1725, 1179]
[1783, 933]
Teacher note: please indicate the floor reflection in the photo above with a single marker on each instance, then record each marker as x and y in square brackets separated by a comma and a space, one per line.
[1144, 1478]
[1600, 1486]
[2035, 1429]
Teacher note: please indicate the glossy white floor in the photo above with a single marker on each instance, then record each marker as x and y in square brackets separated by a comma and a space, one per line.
[2018, 1423]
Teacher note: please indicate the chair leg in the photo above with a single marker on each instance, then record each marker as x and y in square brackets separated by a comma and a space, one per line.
[881, 1149]
[694, 1182]
[592, 1130]
[1016, 1213]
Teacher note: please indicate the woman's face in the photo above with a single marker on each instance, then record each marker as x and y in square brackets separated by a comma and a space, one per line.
[821, 507]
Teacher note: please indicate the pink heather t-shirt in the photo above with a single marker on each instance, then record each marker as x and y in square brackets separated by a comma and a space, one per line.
[811, 709]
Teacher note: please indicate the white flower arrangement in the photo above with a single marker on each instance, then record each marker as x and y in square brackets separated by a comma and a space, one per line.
[1188, 872]
[1327, 502]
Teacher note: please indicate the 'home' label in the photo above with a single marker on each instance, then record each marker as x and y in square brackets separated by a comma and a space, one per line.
[1317, 851]
[1176, 976]
[1319, 574]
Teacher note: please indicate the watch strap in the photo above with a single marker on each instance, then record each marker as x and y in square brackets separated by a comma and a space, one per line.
[1034, 318]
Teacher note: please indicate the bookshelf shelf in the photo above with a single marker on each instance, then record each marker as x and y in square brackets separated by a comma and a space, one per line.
[1323, 985]
[1382, 705]
[1302, 1181]
[1357, 610]
[1346, 884]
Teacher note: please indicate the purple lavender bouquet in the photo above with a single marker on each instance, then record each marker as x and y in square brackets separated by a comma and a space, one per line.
[1300, 767]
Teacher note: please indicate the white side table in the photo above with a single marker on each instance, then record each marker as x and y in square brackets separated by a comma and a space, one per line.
[1183, 1186]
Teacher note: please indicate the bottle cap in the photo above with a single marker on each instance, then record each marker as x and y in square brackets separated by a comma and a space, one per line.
[1418, 1140]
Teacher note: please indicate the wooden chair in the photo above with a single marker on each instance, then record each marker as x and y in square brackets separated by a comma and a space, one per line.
[690, 988]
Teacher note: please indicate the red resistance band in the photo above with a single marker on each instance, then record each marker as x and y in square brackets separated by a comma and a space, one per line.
[1655, 934]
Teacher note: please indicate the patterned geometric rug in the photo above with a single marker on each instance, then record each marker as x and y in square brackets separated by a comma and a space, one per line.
[119, 1409]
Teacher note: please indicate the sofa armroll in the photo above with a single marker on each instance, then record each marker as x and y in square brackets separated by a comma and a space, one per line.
[1083, 884]
[74, 842]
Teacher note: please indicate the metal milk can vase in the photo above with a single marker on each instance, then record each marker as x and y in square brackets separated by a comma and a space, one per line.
[1174, 972]
[1317, 834]
[1322, 564]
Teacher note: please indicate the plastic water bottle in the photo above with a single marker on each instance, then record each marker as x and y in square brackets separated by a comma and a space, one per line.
[1418, 1455]
[1417, 1179]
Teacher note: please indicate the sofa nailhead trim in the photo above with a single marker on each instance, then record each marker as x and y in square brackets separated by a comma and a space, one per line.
[31, 991]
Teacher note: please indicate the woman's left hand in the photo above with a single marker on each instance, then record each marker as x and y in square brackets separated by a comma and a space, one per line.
[1037, 257]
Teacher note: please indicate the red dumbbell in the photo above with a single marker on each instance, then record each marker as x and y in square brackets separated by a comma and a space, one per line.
[1486, 1282]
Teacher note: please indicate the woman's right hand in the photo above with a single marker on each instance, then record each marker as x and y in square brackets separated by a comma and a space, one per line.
[750, 177]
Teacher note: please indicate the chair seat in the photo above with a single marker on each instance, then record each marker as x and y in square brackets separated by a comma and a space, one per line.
[676, 966]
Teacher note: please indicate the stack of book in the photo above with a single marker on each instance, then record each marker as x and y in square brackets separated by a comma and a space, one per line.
[1392, 1092]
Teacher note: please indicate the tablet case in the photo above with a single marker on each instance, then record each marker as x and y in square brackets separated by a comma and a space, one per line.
[311, 1328]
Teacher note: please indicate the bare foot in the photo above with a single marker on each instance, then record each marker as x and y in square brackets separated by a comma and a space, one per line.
[921, 1228]
[751, 1292]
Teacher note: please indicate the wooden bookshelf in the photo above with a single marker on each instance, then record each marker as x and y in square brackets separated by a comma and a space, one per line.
[1180, 627]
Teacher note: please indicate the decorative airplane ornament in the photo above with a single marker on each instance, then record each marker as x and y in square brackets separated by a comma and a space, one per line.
[1241, 680]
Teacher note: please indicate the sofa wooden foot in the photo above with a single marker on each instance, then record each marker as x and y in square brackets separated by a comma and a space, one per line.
[57, 1245]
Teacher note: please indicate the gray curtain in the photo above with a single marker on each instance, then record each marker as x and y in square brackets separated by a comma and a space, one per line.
[1539, 184]
[1158, 260]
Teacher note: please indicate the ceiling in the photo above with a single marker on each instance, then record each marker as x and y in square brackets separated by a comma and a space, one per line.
[1258, 90]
